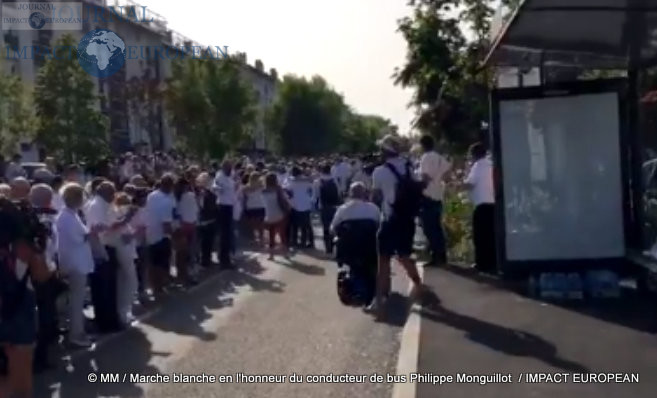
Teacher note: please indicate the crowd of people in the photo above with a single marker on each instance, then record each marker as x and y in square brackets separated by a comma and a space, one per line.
[117, 230]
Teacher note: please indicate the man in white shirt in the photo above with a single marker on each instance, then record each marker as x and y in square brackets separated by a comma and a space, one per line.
[226, 191]
[479, 183]
[301, 196]
[159, 210]
[46, 295]
[342, 173]
[433, 168]
[356, 208]
[99, 215]
[395, 237]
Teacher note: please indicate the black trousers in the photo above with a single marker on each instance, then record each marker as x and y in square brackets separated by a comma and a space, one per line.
[206, 235]
[226, 233]
[326, 215]
[103, 293]
[483, 235]
[301, 224]
[46, 296]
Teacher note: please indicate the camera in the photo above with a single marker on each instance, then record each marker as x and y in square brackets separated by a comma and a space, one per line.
[20, 221]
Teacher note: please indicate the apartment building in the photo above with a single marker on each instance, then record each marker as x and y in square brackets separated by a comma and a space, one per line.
[137, 115]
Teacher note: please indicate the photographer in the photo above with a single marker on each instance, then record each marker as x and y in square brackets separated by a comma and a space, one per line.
[21, 263]
[41, 197]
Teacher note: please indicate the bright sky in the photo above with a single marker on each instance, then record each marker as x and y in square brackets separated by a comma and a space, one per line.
[352, 43]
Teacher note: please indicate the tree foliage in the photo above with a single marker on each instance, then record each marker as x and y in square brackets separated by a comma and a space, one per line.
[311, 118]
[69, 122]
[210, 105]
[447, 40]
[16, 112]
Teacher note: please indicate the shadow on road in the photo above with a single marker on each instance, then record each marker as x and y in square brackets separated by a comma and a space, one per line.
[132, 353]
[632, 310]
[72, 380]
[308, 269]
[499, 338]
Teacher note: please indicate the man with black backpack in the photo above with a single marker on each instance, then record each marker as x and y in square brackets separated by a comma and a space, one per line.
[327, 195]
[399, 196]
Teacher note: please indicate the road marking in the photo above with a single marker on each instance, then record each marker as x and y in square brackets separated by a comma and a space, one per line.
[409, 349]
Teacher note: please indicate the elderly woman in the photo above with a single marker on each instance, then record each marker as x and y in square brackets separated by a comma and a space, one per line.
[20, 188]
[5, 190]
[75, 258]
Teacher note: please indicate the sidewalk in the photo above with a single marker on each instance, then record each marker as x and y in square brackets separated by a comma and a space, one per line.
[480, 328]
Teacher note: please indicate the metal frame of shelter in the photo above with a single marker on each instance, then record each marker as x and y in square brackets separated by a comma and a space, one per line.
[588, 34]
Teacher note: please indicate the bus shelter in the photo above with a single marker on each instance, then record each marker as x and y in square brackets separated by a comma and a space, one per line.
[572, 161]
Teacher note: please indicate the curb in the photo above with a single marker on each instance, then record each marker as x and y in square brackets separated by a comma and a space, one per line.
[409, 350]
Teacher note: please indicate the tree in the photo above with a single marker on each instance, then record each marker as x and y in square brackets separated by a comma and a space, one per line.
[144, 98]
[447, 40]
[362, 131]
[16, 112]
[70, 126]
[210, 105]
[307, 117]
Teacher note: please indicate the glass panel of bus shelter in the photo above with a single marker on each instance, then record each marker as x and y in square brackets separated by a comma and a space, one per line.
[561, 173]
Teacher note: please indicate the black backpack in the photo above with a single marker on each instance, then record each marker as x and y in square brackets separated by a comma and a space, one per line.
[408, 194]
[328, 193]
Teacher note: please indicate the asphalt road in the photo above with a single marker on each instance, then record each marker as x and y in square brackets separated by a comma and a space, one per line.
[269, 318]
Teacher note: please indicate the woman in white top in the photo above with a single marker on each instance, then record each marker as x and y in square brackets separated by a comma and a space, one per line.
[75, 258]
[124, 241]
[254, 205]
[277, 208]
[187, 210]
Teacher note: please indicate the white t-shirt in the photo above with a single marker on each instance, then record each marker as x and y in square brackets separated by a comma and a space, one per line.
[224, 188]
[188, 208]
[481, 177]
[253, 199]
[302, 194]
[342, 172]
[57, 202]
[73, 246]
[159, 210]
[355, 210]
[97, 212]
[435, 166]
[119, 214]
[384, 180]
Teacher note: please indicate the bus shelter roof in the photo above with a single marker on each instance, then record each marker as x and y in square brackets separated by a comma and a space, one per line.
[594, 34]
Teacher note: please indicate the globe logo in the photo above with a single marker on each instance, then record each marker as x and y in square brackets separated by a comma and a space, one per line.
[101, 53]
[37, 20]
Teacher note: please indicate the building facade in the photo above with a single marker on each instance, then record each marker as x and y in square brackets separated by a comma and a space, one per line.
[137, 115]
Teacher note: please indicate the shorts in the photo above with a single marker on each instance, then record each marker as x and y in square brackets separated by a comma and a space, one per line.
[22, 328]
[255, 214]
[160, 254]
[395, 238]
